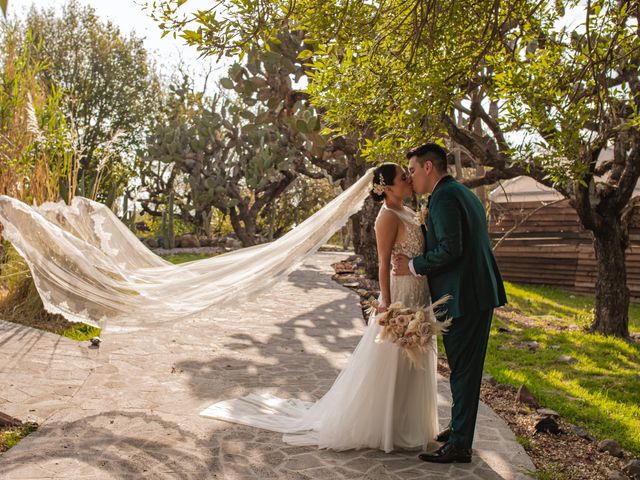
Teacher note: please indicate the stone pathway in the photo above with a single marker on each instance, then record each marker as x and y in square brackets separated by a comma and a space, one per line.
[129, 409]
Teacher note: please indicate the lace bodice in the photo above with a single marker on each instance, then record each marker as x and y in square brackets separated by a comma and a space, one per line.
[410, 290]
[413, 242]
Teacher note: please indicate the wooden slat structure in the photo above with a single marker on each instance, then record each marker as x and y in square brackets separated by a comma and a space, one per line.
[549, 246]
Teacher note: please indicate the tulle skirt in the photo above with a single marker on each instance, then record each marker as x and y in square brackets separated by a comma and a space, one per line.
[379, 400]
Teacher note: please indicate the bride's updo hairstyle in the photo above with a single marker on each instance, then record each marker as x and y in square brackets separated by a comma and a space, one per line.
[383, 176]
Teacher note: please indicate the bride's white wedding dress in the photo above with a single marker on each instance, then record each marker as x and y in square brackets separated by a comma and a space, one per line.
[379, 400]
[88, 267]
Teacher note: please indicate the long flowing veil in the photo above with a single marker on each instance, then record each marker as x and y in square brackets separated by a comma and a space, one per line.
[88, 266]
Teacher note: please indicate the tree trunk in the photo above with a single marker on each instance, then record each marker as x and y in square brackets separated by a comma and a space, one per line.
[362, 223]
[246, 234]
[612, 293]
[364, 236]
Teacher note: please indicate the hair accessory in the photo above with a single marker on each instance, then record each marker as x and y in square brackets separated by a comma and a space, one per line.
[378, 188]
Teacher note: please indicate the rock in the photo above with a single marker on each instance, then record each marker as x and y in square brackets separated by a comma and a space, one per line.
[526, 397]
[566, 359]
[581, 432]
[8, 421]
[351, 284]
[547, 424]
[362, 292]
[632, 469]
[612, 475]
[188, 241]
[489, 379]
[205, 241]
[610, 446]
[532, 345]
[152, 243]
[233, 243]
[547, 412]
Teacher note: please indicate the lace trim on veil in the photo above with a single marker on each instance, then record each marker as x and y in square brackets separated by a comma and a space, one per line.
[89, 267]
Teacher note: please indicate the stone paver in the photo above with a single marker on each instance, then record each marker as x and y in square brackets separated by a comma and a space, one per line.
[129, 409]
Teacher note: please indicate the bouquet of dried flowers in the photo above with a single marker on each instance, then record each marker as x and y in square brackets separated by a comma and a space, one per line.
[411, 329]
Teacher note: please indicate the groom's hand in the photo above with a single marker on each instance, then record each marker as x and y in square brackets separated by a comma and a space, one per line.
[400, 264]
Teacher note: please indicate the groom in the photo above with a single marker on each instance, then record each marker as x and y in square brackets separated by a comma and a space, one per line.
[458, 261]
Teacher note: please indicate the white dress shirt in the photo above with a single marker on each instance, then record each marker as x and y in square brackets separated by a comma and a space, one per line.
[411, 268]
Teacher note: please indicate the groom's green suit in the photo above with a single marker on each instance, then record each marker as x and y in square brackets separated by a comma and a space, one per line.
[458, 261]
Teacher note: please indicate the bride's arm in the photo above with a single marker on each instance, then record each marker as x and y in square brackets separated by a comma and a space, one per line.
[386, 232]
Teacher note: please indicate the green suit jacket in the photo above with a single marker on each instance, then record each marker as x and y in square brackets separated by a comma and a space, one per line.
[458, 259]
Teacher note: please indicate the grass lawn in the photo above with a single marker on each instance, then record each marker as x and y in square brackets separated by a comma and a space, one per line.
[185, 257]
[599, 391]
[559, 306]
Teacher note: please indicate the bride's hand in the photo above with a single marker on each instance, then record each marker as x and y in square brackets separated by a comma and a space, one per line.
[381, 307]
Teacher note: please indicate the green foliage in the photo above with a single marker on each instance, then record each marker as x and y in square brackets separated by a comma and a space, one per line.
[598, 391]
[10, 437]
[154, 226]
[21, 303]
[185, 257]
[35, 139]
[504, 84]
[559, 307]
[525, 442]
[302, 199]
[231, 154]
[108, 114]
[549, 472]
[81, 332]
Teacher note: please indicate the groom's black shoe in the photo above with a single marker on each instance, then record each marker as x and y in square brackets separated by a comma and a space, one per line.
[448, 453]
[444, 435]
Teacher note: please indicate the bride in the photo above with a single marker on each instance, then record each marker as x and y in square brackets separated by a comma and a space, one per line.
[89, 267]
[379, 400]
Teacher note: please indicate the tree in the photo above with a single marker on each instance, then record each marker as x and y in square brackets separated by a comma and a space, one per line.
[37, 146]
[108, 85]
[502, 81]
[228, 161]
[269, 75]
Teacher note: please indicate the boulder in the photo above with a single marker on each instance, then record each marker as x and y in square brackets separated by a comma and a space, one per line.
[526, 397]
[486, 378]
[233, 243]
[546, 424]
[547, 412]
[533, 346]
[188, 241]
[613, 475]
[581, 432]
[610, 446]
[633, 469]
[566, 359]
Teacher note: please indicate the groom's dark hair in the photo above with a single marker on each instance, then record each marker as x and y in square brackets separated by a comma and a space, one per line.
[431, 152]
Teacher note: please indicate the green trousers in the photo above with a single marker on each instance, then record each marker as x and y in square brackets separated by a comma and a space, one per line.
[466, 346]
